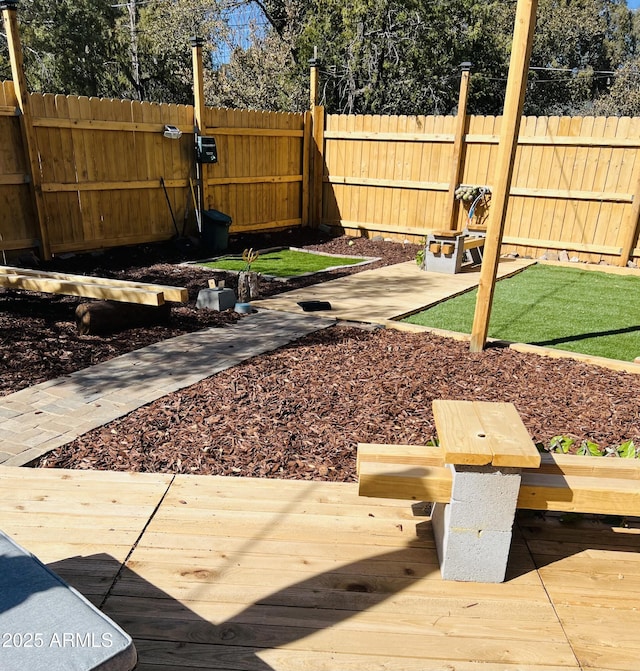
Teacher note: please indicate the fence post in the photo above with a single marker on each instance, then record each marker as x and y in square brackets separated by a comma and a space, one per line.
[198, 114]
[631, 229]
[516, 86]
[306, 168]
[313, 83]
[451, 221]
[317, 149]
[9, 16]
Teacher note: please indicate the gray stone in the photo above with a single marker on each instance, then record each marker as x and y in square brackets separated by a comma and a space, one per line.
[216, 299]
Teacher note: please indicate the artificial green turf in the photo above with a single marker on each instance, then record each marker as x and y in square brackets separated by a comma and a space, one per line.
[284, 263]
[569, 309]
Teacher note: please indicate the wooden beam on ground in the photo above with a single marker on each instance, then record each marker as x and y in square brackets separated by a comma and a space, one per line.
[54, 286]
[91, 287]
[516, 86]
[171, 294]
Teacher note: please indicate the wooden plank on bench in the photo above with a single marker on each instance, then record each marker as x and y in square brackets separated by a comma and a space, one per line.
[563, 483]
[408, 455]
[472, 243]
[478, 433]
[401, 481]
[569, 493]
[446, 233]
[586, 466]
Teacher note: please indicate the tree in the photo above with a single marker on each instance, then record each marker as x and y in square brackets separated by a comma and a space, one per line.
[164, 33]
[69, 46]
[579, 42]
[623, 99]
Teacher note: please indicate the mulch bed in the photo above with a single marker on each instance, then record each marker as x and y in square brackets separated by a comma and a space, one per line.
[299, 412]
[48, 345]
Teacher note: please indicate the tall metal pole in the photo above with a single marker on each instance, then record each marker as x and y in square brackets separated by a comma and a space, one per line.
[458, 144]
[514, 100]
[10, 20]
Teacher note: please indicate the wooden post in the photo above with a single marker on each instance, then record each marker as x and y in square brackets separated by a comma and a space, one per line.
[317, 169]
[631, 229]
[313, 85]
[516, 86]
[451, 219]
[317, 149]
[198, 114]
[9, 10]
[306, 168]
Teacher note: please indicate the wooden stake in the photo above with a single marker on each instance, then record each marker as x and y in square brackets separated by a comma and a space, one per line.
[10, 21]
[451, 220]
[514, 99]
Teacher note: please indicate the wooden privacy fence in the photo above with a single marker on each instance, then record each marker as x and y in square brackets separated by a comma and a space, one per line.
[100, 165]
[576, 183]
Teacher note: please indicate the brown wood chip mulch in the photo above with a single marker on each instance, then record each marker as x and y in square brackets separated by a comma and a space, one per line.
[297, 412]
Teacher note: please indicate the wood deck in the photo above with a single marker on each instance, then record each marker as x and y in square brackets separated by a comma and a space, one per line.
[268, 575]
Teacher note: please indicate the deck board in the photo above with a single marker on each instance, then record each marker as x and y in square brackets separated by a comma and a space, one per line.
[265, 575]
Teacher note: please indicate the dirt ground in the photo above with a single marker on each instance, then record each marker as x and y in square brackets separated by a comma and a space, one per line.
[300, 411]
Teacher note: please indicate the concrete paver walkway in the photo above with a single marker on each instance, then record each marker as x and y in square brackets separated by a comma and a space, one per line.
[39, 419]
[386, 293]
[36, 420]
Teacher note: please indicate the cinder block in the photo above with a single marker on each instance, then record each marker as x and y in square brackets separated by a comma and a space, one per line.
[475, 556]
[484, 498]
[473, 532]
[216, 299]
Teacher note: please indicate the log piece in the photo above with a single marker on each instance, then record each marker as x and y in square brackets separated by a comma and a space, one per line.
[248, 287]
[102, 317]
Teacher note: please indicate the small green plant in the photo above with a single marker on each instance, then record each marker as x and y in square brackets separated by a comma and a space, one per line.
[628, 450]
[563, 444]
[249, 256]
[588, 447]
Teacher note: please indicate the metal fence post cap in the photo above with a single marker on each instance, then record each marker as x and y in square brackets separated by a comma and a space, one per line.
[8, 4]
[466, 66]
[195, 41]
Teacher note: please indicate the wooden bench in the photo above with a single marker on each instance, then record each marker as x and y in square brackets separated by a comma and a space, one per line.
[445, 251]
[488, 442]
[104, 288]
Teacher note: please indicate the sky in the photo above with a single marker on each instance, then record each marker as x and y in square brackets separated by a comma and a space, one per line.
[633, 4]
